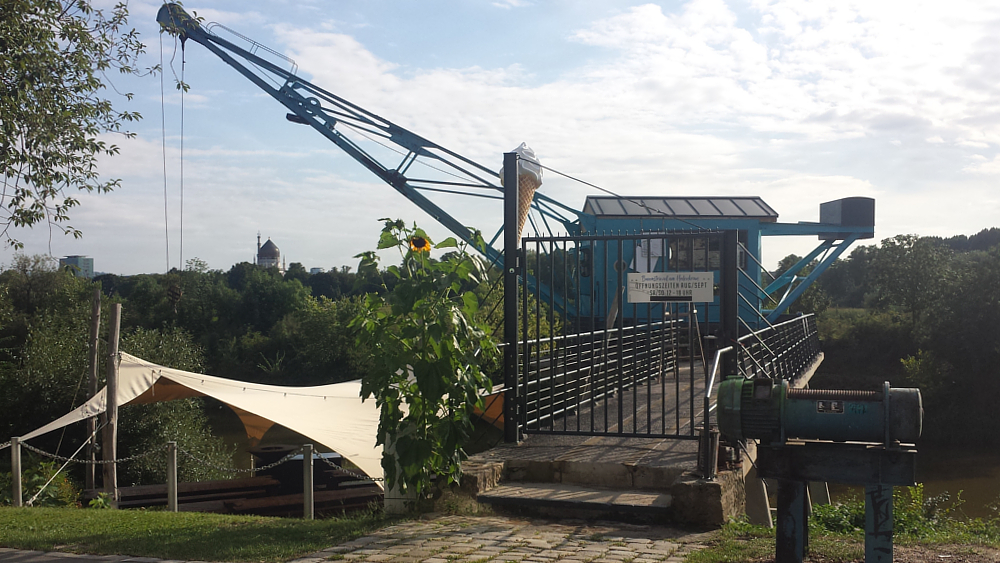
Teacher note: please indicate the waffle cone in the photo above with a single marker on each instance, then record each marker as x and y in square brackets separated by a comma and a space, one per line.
[526, 186]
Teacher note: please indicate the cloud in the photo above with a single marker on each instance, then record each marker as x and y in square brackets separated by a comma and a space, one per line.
[797, 101]
[508, 4]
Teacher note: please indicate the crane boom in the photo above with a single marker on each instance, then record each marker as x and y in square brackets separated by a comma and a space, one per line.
[324, 111]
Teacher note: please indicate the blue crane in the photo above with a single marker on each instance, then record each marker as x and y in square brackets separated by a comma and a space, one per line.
[328, 114]
[842, 222]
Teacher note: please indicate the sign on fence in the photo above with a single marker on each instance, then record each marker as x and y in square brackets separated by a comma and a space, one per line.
[671, 286]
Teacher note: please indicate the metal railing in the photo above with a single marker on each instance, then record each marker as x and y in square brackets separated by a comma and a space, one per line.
[781, 351]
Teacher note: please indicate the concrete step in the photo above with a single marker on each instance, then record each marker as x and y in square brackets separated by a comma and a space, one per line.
[574, 501]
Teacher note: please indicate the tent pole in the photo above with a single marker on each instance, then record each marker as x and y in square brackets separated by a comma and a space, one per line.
[95, 328]
[111, 430]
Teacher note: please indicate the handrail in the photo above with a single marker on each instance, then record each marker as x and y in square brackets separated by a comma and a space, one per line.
[715, 368]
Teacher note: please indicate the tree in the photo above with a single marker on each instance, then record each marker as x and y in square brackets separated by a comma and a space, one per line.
[911, 271]
[56, 55]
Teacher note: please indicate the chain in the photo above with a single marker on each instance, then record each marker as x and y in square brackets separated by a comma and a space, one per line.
[5, 445]
[350, 473]
[237, 470]
[94, 462]
[288, 457]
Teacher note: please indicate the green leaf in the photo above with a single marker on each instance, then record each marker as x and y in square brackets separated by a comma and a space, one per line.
[449, 242]
[471, 304]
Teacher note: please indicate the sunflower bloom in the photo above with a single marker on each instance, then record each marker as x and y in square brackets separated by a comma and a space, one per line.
[420, 244]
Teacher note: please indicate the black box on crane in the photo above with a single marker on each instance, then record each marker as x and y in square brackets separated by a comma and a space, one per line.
[848, 212]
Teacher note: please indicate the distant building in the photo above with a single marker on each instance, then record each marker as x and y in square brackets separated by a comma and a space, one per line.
[268, 255]
[81, 266]
[316, 271]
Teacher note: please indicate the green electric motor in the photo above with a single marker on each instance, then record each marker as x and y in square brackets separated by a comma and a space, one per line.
[769, 411]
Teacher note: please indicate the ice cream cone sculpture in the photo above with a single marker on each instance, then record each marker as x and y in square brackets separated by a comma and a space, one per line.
[529, 178]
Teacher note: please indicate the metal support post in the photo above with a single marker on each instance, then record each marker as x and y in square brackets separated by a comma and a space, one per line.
[110, 449]
[708, 450]
[878, 523]
[15, 471]
[308, 501]
[172, 476]
[792, 529]
[511, 430]
[730, 288]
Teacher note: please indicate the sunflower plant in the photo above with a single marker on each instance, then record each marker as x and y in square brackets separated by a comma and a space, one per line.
[427, 347]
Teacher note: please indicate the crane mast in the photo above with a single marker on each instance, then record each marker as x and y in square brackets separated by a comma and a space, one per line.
[324, 111]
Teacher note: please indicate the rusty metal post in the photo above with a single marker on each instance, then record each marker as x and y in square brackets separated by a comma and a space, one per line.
[172, 476]
[308, 500]
[15, 472]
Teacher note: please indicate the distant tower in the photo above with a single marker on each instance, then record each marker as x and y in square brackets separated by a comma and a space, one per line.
[268, 255]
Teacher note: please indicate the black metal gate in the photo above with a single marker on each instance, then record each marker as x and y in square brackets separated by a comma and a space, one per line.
[613, 331]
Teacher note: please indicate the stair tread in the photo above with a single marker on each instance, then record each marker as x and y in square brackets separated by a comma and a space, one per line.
[554, 494]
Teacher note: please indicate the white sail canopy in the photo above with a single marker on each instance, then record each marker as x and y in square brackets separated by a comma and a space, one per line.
[332, 415]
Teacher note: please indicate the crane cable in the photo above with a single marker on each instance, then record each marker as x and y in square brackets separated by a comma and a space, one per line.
[182, 86]
[180, 260]
[163, 145]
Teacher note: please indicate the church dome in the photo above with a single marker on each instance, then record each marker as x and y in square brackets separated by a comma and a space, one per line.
[269, 250]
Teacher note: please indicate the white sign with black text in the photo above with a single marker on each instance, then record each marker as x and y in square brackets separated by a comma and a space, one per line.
[696, 287]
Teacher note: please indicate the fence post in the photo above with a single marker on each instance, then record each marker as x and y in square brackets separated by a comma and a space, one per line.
[308, 502]
[15, 471]
[172, 476]
[111, 408]
[511, 432]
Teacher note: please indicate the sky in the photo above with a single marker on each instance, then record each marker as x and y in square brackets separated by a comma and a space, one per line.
[796, 101]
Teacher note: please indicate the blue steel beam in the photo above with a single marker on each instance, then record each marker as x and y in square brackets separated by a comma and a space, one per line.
[789, 276]
[790, 298]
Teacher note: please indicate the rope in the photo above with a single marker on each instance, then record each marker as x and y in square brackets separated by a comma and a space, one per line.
[32, 500]
[235, 470]
[94, 462]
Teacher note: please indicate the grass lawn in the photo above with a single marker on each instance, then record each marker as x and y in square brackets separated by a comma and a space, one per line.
[184, 535]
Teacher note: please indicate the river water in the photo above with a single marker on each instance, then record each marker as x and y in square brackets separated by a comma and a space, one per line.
[973, 473]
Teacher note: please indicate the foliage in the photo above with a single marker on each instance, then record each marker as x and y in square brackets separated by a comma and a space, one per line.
[319, 343]
[143, 428]
[101, 502]
[836, 530]
[56, 57]
[915, 516]
[60, 492]
[909, 271]
[46, 360]
[186, 536]
[425, 340]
